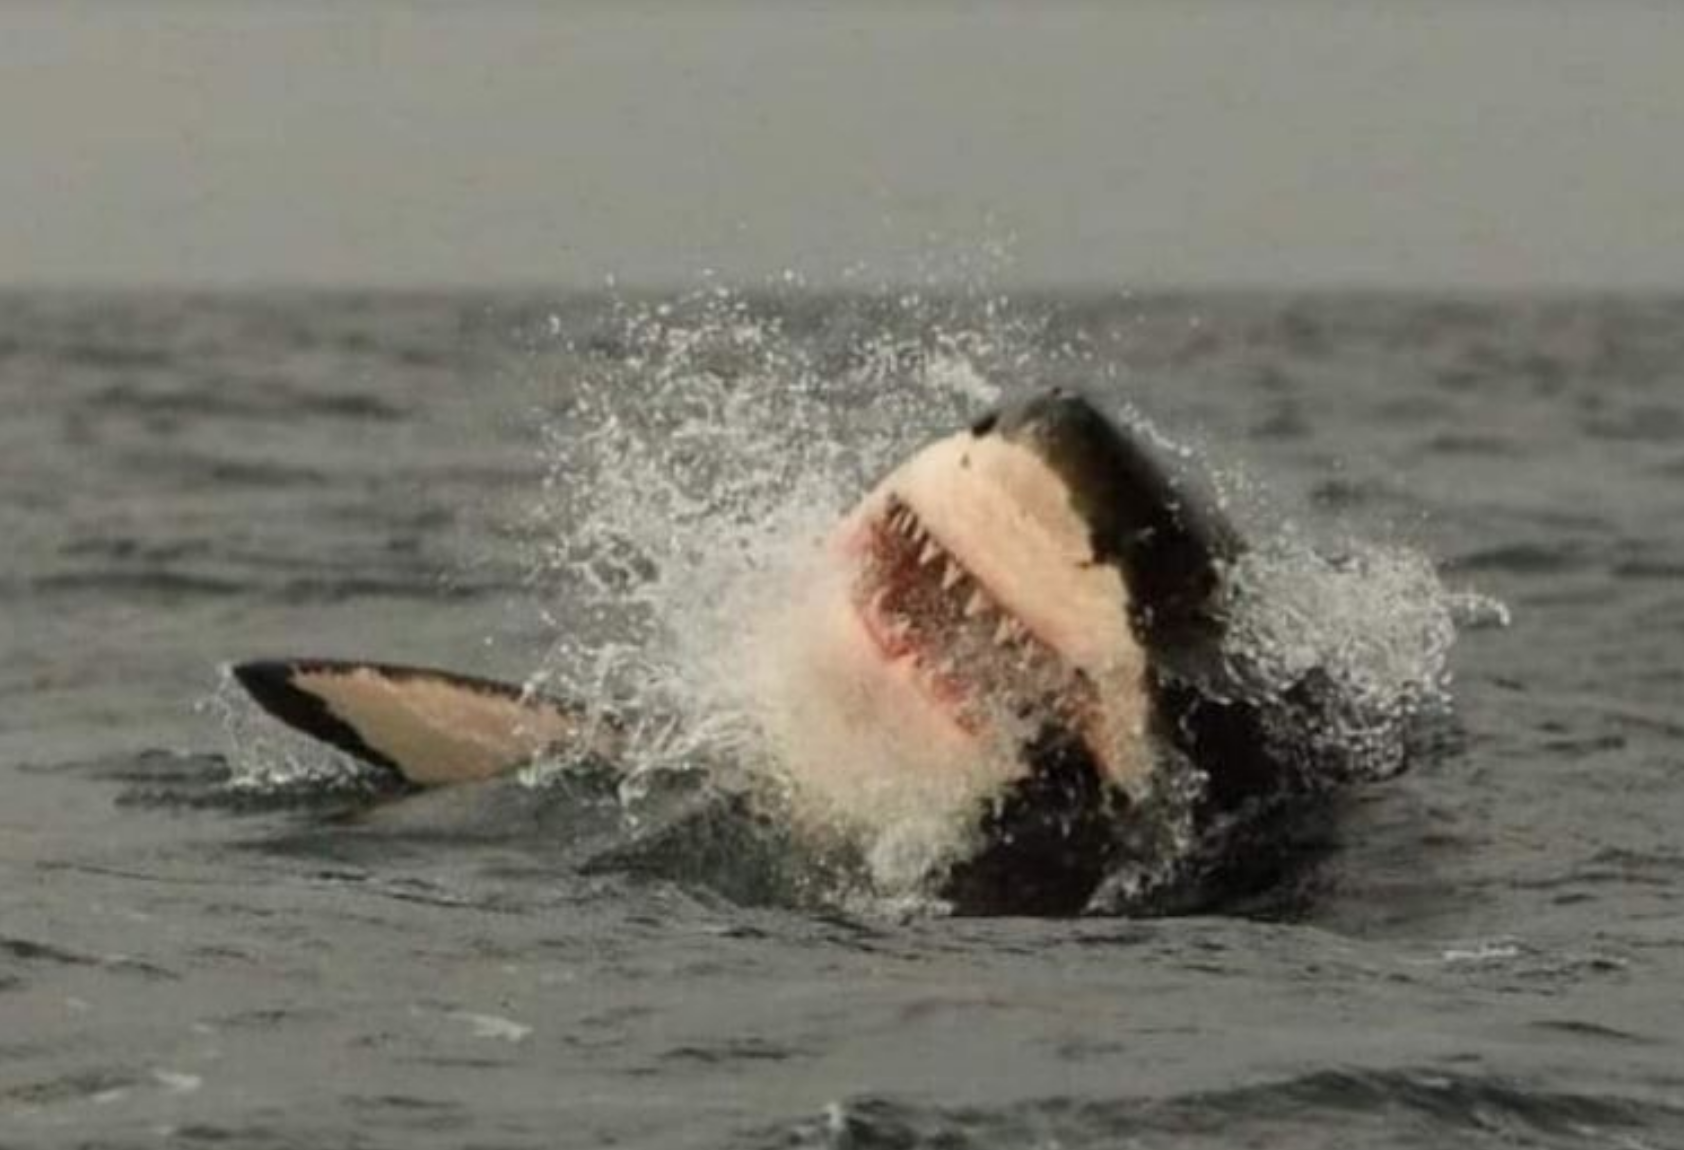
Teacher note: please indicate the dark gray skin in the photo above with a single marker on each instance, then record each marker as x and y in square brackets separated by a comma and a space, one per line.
[1054, 836]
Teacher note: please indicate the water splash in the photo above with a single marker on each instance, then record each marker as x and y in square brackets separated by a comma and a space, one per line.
[694, 470]
[699, 449]
[1362, 637]
[269, 758]
[695, 467]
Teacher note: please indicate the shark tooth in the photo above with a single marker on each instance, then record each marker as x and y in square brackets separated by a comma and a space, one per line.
[977, 604]
[951, 575]
[927, 556]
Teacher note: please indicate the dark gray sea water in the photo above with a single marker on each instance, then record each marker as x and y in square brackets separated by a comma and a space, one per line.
[198, 947]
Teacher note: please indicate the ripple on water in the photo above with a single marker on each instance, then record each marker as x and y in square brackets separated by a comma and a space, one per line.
[1415, 1107]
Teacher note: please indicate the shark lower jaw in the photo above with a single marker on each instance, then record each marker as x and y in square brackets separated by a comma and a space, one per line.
[969, 654]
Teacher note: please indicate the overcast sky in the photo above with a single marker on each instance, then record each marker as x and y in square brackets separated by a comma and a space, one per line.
[1482, 143]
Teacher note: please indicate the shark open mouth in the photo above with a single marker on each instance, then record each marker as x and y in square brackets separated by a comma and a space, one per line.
[964, 648]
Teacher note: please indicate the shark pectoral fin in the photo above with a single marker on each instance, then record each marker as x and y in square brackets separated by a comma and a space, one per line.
[430, 727]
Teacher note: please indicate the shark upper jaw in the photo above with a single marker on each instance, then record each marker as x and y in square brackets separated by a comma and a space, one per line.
[972, 572]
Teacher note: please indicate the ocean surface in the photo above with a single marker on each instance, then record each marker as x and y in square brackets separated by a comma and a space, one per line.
[210, 933]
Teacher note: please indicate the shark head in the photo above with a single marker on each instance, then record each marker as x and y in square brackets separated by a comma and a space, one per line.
[1017, 586]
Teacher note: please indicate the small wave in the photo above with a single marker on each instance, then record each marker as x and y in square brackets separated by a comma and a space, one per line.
[1664, 569]
[277, 398]
[26, 950]
[1526, 559]
[1578, 1028]
[181, 585]
[89, 1085]
[735, 1051]
[171, 780]
[165, 584]
[113, 356]
[1469, 443]
[1402, 1107]
[338, 589]
[189, 468]
[1642, 423]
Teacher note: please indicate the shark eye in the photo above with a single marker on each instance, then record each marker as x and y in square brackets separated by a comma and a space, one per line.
[985, 425]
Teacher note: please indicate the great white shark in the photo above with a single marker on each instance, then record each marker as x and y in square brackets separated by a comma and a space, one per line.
[1036, 605]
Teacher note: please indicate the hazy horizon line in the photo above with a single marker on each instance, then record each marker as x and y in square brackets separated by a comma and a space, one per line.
[835, 286]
